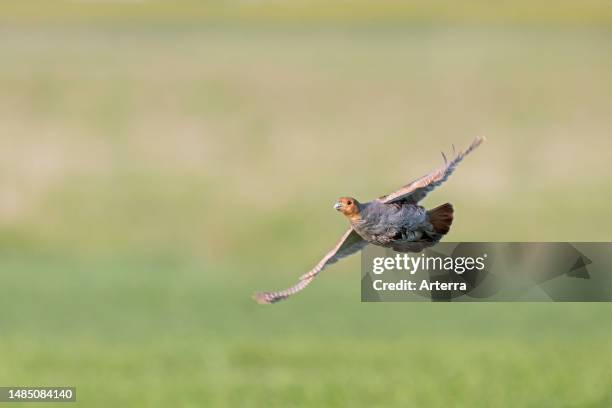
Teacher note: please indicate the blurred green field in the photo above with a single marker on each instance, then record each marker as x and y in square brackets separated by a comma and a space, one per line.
[153, 175]
[380, 12]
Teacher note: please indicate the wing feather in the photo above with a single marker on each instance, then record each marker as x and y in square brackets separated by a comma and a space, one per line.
[350, 243]
[417, 190]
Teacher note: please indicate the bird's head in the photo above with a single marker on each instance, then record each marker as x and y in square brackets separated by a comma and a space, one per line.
[348, 206]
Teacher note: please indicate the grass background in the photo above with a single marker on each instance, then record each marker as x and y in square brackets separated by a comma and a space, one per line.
[160, 161]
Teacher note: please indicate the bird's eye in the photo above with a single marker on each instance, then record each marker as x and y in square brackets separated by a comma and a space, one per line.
[349, 202]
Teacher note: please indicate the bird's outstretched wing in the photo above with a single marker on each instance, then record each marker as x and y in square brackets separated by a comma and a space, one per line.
[350, 243]
[414, 192]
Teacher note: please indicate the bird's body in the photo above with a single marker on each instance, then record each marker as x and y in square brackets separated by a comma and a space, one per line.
[384, 224]
[393, 221]
[403, 226]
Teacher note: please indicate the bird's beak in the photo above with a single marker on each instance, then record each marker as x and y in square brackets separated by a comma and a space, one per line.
[338, 206]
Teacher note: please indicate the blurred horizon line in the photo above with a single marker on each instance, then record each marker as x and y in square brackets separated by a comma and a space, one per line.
[384, 12]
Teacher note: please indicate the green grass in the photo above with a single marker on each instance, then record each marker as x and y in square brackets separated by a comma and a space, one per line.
[158, 332]
[153, 176]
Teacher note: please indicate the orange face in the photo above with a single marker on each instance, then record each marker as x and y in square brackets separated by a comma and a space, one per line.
[348, 206]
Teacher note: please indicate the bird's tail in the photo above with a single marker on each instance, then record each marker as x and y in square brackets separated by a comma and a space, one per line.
[441, 218]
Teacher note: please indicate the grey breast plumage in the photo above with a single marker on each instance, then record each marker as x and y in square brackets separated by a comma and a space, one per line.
[383, 224]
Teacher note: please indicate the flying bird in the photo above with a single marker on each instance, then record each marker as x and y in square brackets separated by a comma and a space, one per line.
[393, 221]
